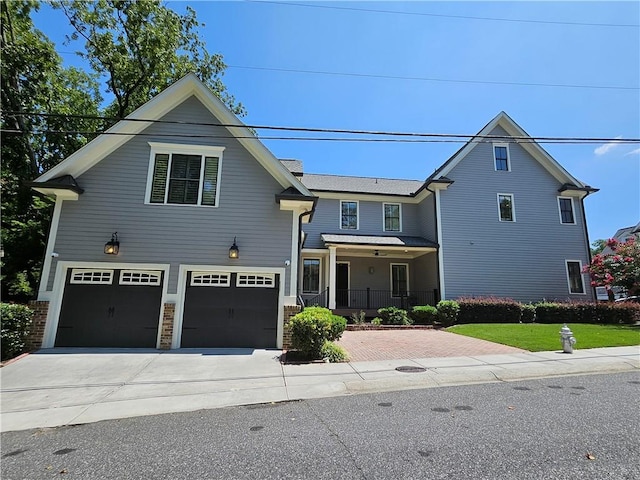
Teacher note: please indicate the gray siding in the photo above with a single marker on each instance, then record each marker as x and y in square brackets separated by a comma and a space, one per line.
[427, 218]
[326, 219]
[524, 260]
[176, 234]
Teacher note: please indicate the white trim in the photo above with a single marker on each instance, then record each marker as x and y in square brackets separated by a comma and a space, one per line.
[536, 151]
[91, 276]
[384, 216]
[319, 259]
[55, 305]
[495, 160]
[391, 279]
[371, 197]
[151, 278]
[255, 280]
[51, 243]
[513, 207]
[215, 279]
[573, 210]
[316, 251]
[357, 202]
[440, 249]
[170, 149]
[332, 277]
[566, 269]
[156, 108]
[182, 287]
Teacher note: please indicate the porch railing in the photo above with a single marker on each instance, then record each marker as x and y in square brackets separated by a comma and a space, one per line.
[369, 299]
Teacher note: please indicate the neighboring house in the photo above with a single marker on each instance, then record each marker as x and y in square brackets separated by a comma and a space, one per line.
[622, 235]
[185, 231]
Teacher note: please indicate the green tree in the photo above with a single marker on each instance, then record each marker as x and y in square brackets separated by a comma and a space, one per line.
[33, 80]
[597, 246]
[142, 47]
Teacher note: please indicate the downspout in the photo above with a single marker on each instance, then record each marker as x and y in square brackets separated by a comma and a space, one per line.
[303, 214]
[435, 216]
[586, 236]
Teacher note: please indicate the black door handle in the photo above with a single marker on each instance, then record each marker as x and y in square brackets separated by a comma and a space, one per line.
[111, 312]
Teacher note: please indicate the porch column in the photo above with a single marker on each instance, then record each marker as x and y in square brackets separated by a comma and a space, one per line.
[332, 277]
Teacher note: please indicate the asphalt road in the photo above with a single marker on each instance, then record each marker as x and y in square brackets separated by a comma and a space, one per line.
[583, 427]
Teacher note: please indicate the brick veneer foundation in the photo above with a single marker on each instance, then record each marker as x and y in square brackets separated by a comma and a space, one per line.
[166, 333]
[38, 322]
[289, 311]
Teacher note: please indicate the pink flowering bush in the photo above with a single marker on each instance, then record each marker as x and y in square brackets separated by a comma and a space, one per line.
[618, 269]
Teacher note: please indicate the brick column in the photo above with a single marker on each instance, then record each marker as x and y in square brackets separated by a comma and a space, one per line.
[166, 333]
[38, 322]
[289, 311]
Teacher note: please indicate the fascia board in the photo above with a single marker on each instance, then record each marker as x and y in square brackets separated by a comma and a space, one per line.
[366, 197]
[92, 153]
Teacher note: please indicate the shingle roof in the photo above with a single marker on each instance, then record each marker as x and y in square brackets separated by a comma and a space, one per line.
[294, 166]
[337, 183]
[378, 240]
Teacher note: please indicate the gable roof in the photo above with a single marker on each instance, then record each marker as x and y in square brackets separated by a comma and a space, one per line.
[381, 186]
[513, 130]
[189, 85]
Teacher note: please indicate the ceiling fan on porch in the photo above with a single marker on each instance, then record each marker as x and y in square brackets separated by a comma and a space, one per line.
[377, 253]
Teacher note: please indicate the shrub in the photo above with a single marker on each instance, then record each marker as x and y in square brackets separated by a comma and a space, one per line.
[604, 313]
[448, 312]
[376, 321]
[424, 314]
[16, 324]
[394, 316]
[334, 353]
[312, 327]
[358, 317]
[528, 313]
[489, 310]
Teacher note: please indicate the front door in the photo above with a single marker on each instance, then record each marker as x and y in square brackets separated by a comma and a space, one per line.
[342, 285]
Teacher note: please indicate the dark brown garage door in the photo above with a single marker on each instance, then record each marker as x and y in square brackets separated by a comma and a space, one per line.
[110, 308]
[230, 310]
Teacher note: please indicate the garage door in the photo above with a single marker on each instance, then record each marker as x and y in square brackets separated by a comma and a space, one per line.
[110, 308]
[230, 310]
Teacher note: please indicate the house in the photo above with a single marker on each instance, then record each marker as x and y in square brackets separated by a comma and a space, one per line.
[622, 235]
[178, 228]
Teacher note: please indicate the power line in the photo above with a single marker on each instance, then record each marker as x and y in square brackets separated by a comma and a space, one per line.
[414, 135]
[433, 79]
[465, 17]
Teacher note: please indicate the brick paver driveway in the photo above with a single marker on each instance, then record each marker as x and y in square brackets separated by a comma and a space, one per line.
[370, 345]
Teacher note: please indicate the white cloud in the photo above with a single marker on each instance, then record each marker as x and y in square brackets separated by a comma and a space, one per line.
[633, 152]
[602, 149]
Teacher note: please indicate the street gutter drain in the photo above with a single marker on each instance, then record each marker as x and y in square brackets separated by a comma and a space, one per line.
[409, 369]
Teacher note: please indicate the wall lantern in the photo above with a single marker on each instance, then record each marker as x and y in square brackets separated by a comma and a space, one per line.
[112, 247]
[371, 270]
[234, 252]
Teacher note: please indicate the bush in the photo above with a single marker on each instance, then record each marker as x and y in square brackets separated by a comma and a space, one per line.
[334, 353]
[424, 314]
[312, 327]
[528, 313]
[448, 312]
[394, 316]
[358, 317]
[489, 310]
[376, 321]
[16, 324]
[603, 313]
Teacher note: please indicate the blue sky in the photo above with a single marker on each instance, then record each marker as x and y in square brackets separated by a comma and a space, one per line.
[427, 42]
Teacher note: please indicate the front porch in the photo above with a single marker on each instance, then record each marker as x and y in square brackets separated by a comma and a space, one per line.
[352, 276]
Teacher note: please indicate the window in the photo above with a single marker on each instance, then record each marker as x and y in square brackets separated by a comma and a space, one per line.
[574, 276]
[392, 217]
[348, 215]
[210, 279]
[184, 174]
[501, 157]
[80, 276]
[311, 275]
[256, 280]
[506, 210]
[399, 279]
[139, 277]
[565, 204]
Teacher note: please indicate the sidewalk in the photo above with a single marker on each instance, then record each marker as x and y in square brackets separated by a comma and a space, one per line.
[61, 387]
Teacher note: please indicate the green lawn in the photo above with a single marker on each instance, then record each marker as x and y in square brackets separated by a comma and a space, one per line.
[538, 337]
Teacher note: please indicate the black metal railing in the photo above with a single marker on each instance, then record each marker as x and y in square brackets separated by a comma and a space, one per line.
[369, 299]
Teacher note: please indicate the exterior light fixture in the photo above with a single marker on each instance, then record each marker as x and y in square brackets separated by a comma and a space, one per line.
[234, 252]
[112, 247]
